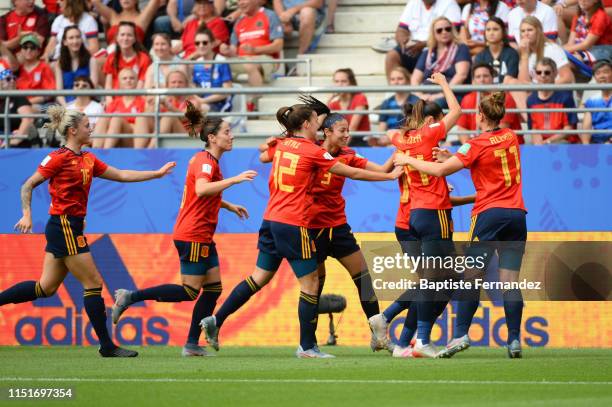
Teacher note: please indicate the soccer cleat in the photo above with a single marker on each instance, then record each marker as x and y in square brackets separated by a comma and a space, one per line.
[378, 326]
[454, 346]
[514, 350]
[117, 352]
[391, 346]
[122, 302]
[209, 326]
[424, 351]
[401, 352]
[313, 353]
[193, 350]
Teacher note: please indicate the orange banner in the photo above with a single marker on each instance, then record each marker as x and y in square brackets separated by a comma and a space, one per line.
[269, 318]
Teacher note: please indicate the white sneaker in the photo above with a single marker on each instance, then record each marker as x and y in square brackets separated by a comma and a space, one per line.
[378, 326]
[454, 346]
[313, 352]
[386, 45]
[424, 351]
[400, 352]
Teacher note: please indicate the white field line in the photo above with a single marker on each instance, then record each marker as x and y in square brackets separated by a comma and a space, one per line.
[297, 381]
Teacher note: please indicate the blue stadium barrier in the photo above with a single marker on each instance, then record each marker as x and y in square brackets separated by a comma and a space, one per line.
[566, 188]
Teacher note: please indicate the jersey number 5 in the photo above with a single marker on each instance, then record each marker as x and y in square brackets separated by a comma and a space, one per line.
[280, 170]
[501, 153]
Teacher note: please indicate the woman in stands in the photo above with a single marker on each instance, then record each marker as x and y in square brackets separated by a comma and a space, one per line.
[195, 228]
[162, 51]
[591, 33]
[351, 101]
[129, 13]
[474, 18]
[70, 172]
[498, 214]
[498, 53]
[74, 61]
[296, 160]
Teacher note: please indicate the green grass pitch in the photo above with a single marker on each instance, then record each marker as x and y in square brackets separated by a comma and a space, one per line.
[274, 377]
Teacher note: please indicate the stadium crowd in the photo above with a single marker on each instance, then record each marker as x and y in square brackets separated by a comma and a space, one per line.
[80, 44]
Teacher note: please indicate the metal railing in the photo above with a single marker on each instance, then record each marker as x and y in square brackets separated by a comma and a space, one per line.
[298, 90]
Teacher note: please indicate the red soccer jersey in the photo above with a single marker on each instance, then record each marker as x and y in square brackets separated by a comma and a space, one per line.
[600, 25]
[36, 21]
[198, 217]
[69, 176]
[426, 192]
[138, 64]
[402, 220]
[494, 160]
[118, 105]
[468, 120]
[216, 26]
[41, 77]
[296, 162]
[327, 210]
[257, 30]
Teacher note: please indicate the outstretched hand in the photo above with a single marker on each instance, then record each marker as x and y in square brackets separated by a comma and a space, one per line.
[166, 169]
[396, 173]
[24, 225]
[248, 175]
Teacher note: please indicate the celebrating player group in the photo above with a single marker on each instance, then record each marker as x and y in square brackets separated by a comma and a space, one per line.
[304, 221]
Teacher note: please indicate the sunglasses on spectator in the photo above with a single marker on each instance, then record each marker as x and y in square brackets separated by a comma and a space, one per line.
[202, 42]
[447, 29]
[29, 46]
[543, 73]
[10, 78]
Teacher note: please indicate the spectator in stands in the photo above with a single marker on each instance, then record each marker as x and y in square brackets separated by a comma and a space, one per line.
[171, 22]
[211, 76]
[474, 17]
[122, 104]
[525, 8]
[205, 17]
[74, 12]
[228, 9]
[591, 32]
[24, 19]
[350, 101]
[258, 33]
[498, 52]
[33, 72]
[399, 77]
[546, 71]
[599, 120]
[444, 54]
[483, 74]
[162, 51]
[534, 46]
[414, 28]
[171, 103]
[74, 60]
[300, 15]
[129, 53]
[85, 103]
[565, 10]
[23, 127]
[332, 5]
[131, 13]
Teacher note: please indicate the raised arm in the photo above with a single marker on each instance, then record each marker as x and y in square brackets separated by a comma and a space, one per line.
[115, 174]
[147, 14]
[364, 175]
[454, 108]
[450, 166]
[25, 223]
[205, 188]
[107, 12]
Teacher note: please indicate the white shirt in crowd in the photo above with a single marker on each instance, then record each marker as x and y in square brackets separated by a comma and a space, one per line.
[87, 24]
[417, 18]
[475, 24]
[93, 108]
[544, 13]
[552, 51]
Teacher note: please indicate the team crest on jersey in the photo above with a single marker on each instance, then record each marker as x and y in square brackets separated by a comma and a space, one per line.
[30, 22]
[88, 161]
[37, 77]
[73, 162]
[207, 168]
[464, 148]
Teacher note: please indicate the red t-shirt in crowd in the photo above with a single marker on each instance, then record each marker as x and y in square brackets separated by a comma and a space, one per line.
[494, 160]
[37, 21]
[70, 176]
[118, 105]
[139, 64]
[327, 210]
[600, 24]
[41, 77]
[296, 162]
[216, 26]
[358, 100]
[198, 216]
[111, 34]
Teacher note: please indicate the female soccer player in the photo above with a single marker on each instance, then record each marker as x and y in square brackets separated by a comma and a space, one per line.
[70, 171]
[195, 227]
[430, 206]
[296, 160]
[498, 215]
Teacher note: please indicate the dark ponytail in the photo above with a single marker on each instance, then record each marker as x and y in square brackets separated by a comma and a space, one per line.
[419, 112]
[193, 120]
[292, 117]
